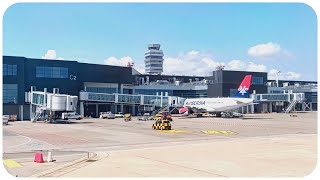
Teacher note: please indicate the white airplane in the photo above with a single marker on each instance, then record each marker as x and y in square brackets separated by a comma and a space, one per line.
[220, 105]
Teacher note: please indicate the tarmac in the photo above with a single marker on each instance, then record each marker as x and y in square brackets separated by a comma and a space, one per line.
[260, 145]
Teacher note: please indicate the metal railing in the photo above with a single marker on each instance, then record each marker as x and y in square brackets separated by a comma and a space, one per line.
[291, 105]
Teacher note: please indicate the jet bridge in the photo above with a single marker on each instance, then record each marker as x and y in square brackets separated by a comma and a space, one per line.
[287, 100]
[126, 103]
[42, 103]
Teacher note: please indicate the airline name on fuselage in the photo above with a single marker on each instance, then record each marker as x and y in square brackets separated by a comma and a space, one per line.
[196, 103]
[199, 102]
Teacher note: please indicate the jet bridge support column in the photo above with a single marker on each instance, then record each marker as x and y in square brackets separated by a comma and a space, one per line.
[97, 110]
[252, 108]
[81, 109]
[270, 107]
[121, 107]
[115, 108]
[31, 112]
[133, 110]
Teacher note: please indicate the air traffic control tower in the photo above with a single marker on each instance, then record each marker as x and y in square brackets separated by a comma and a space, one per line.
[154, 59]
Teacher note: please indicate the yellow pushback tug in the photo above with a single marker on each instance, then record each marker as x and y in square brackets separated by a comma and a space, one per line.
[162, 122]
[162, 125]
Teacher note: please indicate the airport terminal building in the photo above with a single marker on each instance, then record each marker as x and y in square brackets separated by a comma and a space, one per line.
[96, 86]
[93, 83]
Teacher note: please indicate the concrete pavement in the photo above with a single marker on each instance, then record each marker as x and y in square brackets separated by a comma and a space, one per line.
[276, 156]
[262, 145]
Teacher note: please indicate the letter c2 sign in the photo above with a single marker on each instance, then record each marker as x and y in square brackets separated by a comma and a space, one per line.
[73, 77]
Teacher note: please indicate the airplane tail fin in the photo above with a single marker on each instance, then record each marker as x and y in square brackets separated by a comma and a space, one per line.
[244, 87]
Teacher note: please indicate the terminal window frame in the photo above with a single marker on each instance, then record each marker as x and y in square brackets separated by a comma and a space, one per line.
[52, 72]
[102, 90]
[9, 69]
[257, 80]
[10, 93]
[154, 65]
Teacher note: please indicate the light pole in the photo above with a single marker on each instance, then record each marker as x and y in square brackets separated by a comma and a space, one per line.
[277, 78]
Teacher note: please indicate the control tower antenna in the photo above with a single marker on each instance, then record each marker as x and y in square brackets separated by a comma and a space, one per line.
[220, 68]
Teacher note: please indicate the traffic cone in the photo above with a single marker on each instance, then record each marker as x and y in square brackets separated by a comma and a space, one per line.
[38, 158]
[49, 159]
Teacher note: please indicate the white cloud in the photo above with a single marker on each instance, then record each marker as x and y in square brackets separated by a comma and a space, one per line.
[239, 65]
[283, 75]
[140, 68]
[124, 62]
[267, 50]
[256, 67]
[191, 63]
[200, 64]
[236, 65]
[51, 54]
[118, 62]
[193, 52]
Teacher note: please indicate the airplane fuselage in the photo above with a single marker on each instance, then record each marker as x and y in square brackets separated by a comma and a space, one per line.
[216, 104]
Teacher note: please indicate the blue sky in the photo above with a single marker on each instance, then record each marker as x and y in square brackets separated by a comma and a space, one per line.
[199, 36]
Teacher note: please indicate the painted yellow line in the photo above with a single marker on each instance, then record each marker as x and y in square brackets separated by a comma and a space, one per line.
[11, 163]
[218, 132]
[173, 131]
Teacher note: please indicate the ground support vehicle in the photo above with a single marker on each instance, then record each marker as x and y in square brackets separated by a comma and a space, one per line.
[162, 125]
[127, 117]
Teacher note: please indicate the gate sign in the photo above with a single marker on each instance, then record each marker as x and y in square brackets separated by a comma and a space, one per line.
[73, 77]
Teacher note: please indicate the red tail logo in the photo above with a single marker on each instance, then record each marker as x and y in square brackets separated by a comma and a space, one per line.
[245, 85]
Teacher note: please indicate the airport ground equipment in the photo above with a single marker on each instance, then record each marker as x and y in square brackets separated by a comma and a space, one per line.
[70, 115]
[5, 119]
[119, 115]
[127, 117]
[103, 115]
[166, 115]
[146, 117]
[162, 125]
[231, 115]
[157, 117]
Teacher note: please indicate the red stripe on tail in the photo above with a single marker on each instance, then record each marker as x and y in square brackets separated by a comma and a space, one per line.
[246, 82]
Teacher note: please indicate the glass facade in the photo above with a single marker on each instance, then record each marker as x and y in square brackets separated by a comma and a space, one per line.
[165, 101]
[154, 65]
[311, 96]
[129, 99]
[151, 100]
[190, 93]
[127, 91]
[101, 90]
[10, 93]
[38, 98]
[101, 97]
[257, 80]
[51, 72]
[276, 92]
[9, 70]
[153, 91]
[275, 97]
